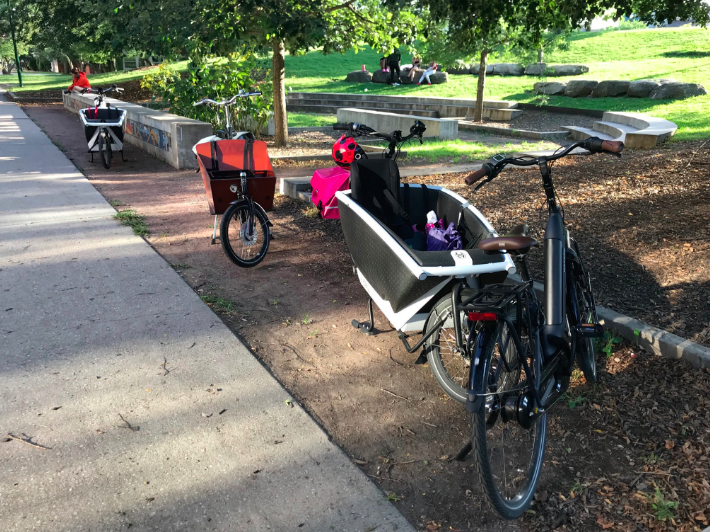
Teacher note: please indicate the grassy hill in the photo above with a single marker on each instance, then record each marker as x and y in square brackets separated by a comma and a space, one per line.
[682, 54]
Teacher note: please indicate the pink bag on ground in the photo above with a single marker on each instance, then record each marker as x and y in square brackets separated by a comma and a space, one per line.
[325, 183]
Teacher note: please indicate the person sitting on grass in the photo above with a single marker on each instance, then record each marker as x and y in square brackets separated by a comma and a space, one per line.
[428, 72]
[79, 80]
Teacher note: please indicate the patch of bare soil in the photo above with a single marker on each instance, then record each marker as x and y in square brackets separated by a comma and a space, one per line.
[539, 120]
[638, 438]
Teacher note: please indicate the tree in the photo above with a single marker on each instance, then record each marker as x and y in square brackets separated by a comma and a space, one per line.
[479, 26]
[300, 25]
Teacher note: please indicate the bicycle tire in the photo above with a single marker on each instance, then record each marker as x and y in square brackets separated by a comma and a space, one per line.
[105, 150]
[484, 431]
[448, 366]
[581, 293]
[239, 212]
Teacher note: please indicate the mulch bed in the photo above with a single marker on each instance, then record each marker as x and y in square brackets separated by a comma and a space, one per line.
[637, 439]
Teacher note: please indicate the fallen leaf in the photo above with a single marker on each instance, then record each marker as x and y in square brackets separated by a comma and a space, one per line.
[670, 444]
[603, 522]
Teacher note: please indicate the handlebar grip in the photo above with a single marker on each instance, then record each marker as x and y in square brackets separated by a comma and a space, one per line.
[613, 146]
[342, 127]
[479, 174]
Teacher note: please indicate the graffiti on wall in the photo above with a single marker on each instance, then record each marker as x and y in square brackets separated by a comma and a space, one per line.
[156, 137]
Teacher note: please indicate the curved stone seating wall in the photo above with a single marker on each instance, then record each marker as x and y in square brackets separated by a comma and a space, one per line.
[656, 89]
[635, 130]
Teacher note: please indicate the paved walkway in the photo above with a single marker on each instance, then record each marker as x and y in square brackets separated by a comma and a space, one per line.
[150, 413]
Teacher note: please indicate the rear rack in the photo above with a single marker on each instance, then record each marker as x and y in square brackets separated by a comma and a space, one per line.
[494, 298]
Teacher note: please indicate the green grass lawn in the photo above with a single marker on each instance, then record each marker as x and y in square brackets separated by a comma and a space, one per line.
[682, 54]
[310, 120]
[461, 151]
[62, 81]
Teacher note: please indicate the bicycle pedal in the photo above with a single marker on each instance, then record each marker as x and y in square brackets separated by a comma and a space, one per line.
[590, 330]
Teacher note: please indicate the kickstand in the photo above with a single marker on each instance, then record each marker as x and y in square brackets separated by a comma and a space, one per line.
[214, 232]
[367, 327]
[123, 157]
[463, 453]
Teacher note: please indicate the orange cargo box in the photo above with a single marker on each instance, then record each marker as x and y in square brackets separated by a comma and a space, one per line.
[221, 163]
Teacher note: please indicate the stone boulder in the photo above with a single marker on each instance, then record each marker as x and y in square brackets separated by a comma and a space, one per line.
[404, 76]
[477, 67]
[677, 91]
[359, 76]
[536, 69]
[437, 78]
[459, 68]
[380, 76]
[578, 88]
[507, 69]
[567, 70]
[611, 88]
[550, 88]
[641, 88]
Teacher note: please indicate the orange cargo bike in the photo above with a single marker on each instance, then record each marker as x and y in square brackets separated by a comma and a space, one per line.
[239, 183]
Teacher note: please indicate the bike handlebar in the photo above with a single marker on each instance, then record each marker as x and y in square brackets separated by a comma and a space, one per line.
[101, 90]
[417, 129]
[227, 102]
[592, 145]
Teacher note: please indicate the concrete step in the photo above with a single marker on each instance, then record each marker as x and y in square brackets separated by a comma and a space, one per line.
[583, 133]
[333, 109]
[500, 115]
[617, 131]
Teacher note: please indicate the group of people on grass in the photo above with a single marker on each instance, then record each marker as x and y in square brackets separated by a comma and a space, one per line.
[392, 63]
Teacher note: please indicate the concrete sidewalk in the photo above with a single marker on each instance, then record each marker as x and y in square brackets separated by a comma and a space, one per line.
[150, 413]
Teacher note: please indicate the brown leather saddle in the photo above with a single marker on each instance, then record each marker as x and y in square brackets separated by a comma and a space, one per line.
[516, 242]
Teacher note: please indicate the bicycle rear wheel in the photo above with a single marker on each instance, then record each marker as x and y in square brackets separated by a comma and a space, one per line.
[449, 365]
[508, 457]
[245, 239]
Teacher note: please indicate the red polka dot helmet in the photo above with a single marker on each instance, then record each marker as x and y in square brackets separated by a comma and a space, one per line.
[346, 150]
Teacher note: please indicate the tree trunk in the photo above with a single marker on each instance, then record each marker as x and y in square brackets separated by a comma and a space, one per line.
[540, 55]
[280, 118]
[478, 113]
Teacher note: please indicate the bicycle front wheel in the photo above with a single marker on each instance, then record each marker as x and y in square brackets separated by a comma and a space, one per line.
[508, 456]
[105, 149]
[245, 238]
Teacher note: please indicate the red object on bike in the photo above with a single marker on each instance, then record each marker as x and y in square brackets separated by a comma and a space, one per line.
[346, 151]
[221, 163]
[482, 316]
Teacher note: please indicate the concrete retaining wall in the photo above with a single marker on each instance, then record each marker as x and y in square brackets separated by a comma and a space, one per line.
[167, 137]
[443, 128]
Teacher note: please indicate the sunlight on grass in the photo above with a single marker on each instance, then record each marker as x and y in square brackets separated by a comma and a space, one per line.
[62, 81]
[461, 151]
[310, 120]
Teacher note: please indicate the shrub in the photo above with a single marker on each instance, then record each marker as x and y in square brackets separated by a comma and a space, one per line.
[216, 79]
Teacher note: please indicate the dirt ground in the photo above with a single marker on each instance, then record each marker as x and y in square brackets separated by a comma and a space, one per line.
[630, 453]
